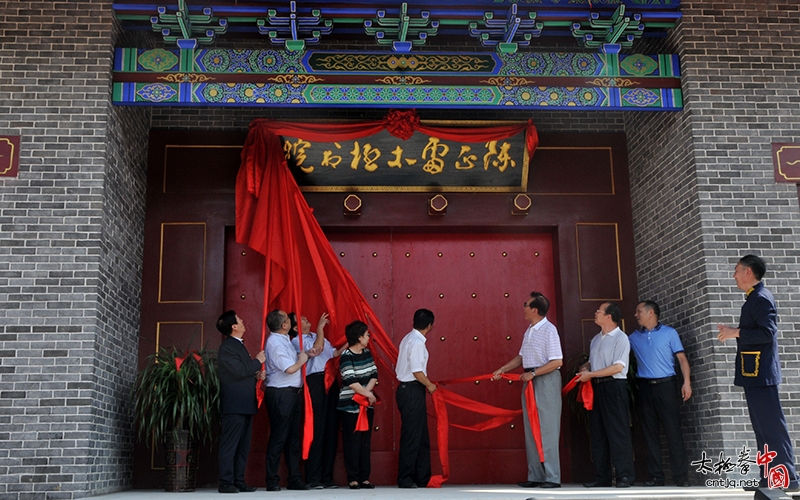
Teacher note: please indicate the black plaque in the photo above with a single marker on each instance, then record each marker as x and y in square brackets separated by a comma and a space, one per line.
[383, 162]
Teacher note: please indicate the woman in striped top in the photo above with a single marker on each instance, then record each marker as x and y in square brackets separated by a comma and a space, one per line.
[359, 376]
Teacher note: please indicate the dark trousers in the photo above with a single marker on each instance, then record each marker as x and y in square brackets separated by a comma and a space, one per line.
[284, 407]
[611, 431]
[321, 455]
[414, 463]
[356, 446]
[769, 424]
[661, 402]
[234, 446]
[332, 425]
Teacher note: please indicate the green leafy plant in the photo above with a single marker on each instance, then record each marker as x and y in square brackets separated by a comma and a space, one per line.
[177, 391]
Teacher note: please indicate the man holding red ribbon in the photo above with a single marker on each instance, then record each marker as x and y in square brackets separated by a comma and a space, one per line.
[609, 353]
[541, 357]
[284, 399]
[414, 461]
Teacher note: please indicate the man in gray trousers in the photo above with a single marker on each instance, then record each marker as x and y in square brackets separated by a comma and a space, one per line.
[541, 357]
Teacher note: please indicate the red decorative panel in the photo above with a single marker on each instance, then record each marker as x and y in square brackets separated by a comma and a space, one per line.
[554, 170]
[183, 335]
[182, 273]
[9, 155]
[197, 168]
[599, 272]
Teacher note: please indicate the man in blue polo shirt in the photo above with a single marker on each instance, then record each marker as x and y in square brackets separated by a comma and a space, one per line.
[656, 346]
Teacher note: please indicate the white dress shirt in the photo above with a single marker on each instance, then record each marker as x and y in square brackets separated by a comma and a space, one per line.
[317, 363]
[413, 357]
[281, 354]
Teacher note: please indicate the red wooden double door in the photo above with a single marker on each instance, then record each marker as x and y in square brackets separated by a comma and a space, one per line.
[475, 283]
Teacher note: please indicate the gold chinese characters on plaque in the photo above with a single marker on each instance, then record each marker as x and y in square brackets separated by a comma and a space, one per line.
[382, 162]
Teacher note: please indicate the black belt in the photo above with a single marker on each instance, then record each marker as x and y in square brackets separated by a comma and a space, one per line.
[600, 380]
[654, 381]
[411, 382]
[529, 370]
[286, 389]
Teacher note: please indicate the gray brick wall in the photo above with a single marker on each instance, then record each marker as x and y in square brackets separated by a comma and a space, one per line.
[704, 195]
[70, 254]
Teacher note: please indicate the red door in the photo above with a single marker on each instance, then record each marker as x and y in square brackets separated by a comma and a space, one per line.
[475, 283]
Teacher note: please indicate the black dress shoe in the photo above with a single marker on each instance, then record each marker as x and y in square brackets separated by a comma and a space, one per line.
[366, 485]
[298, 486]
[228, 488]
[244, 488]
[409, 485]
[654, 482]
[529, 484]
[624, 483]
[331, 486]
[274, 487]
[548, 484]
[597, 484]
[681, 481]
[316, 486]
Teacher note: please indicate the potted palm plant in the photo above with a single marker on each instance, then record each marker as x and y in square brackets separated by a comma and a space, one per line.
[177, 404]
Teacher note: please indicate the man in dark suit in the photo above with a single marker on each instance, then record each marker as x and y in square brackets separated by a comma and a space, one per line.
[237, 378]
[758, 371]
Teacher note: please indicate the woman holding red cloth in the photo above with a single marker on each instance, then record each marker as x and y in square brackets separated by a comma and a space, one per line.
[356, 401]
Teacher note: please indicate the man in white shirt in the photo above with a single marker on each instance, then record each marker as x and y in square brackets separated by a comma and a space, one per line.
[284, 400]
[540, 357]
[607, 368]
[414, 464]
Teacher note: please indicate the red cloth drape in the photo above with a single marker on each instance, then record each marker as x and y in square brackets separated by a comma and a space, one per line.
[500, 416]
[585, 393]
[273, 218]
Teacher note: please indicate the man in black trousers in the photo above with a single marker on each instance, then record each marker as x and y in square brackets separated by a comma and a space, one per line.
[414, 464]
[237, 378]
[758, 371]
[283, 397]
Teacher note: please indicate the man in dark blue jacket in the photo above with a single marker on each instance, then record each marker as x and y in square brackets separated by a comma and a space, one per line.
[237, 378]
[758, 371]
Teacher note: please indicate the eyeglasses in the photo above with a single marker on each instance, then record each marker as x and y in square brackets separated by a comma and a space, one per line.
[526, 304]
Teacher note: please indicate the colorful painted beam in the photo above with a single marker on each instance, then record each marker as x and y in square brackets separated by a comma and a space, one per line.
[363, 18]
[228, 77]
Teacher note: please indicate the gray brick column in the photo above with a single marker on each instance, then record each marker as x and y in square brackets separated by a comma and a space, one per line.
[71, 229]
[704, 195]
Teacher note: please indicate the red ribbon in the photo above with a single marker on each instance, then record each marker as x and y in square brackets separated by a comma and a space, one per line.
[533, 418]
[179, 361]
[585, 393]
[500, 416]
[331, 372]
[362, 424]
[402, 123]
